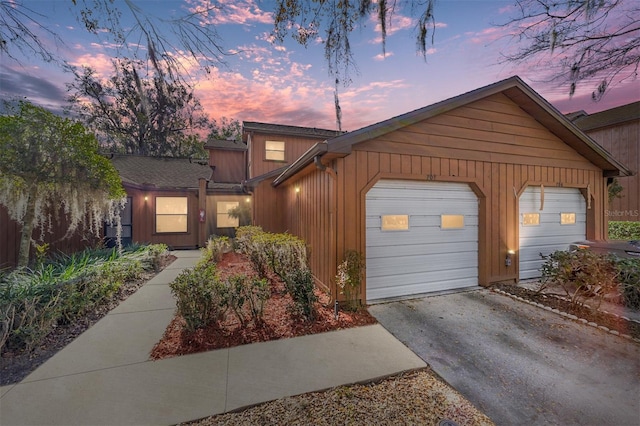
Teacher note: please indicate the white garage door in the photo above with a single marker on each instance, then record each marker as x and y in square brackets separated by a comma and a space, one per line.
[421, 237]
[562, 221]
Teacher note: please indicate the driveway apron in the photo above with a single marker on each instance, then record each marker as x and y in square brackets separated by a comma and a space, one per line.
[520, 364]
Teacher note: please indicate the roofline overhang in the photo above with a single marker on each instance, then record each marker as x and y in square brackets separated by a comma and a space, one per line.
[247, 126]
[318, 149]
[518, 91]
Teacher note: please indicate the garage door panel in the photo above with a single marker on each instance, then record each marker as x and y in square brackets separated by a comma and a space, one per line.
[550, 235]
[439, 284]
[422, 221]
[377, 252]
[425, 257]
[395, 239]
[413, 264]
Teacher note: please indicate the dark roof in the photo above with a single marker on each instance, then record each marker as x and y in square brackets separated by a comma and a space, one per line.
[226, 144]
[514, 88]
[161, 173]
[279, 129]
[609, 117]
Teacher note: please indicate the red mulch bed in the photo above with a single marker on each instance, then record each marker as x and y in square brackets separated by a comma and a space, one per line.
[278, 321]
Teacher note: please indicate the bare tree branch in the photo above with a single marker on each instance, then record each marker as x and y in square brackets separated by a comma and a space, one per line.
[590, 40]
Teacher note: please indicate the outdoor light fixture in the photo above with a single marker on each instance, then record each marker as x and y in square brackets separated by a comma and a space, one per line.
[146, 198]
[507, 260]
[248, 200]
[297, 189]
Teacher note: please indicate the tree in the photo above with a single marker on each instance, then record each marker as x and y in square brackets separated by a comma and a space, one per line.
[225, 128]
[590, 40]
[138, 33]
[141, 114]
[49, 163]
[305, 18]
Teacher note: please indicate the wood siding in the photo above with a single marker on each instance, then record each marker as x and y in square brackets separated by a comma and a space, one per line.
[230, 165]
[10, 239]
[623, 142]
[144, 222]
[491, 144]
[294, 147]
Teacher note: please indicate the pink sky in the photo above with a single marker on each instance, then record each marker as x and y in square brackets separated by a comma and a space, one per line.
[289, 84]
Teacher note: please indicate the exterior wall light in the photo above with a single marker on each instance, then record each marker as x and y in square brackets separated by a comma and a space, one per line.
[507, 260]
[248, 200]
[297, 189]
[146, 198]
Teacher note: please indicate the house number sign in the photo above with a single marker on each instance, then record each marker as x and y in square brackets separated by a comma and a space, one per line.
[395, 222]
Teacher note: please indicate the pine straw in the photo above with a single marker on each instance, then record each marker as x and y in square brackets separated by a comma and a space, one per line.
[414, 398]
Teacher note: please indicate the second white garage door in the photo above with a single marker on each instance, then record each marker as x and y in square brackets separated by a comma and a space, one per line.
[561, 221]
[420, 237]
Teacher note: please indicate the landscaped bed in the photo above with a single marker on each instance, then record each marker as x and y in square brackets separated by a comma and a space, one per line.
[58, 278]
[610, 320]
[278, 320]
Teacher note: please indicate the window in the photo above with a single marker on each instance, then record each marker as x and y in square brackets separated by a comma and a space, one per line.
[395, 222]
[567, 218]
[274, 151]
[452, 221]
[530, 219]
[171, 214]
[223, 220]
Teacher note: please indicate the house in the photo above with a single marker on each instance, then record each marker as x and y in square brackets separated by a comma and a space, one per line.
[463, 192]
[271, 149]
[174, 201]
[618, 131]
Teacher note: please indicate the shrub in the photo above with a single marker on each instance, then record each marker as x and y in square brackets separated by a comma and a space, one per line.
[579, 273]
[33, 301]
[216, 247]
[244, 235]
[628, 275]
[349, 278]
[278, 253]
[201, 296]
[624, 230]
[243, 290]
[299, 285]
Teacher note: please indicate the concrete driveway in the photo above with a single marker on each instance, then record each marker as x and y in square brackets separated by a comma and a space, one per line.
[520, 364]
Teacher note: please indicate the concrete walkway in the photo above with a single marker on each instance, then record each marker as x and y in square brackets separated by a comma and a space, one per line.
[105, 375]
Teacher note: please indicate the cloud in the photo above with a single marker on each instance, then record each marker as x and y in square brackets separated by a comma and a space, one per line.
[39, 89]
[229, 12]
[382, 56]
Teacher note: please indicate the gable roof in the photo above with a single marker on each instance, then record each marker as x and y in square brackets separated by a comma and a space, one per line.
[279, 129]
[608, 117]
[161, 173]
[226, 144]
[514, 88]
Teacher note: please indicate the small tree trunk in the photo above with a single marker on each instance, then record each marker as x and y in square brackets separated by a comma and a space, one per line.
[27, 229]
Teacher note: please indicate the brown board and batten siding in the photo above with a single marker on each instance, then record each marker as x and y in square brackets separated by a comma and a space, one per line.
[269, 207]
[496, 140]
[618, 131]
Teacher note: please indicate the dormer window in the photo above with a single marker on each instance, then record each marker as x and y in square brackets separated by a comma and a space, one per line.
[274, 150]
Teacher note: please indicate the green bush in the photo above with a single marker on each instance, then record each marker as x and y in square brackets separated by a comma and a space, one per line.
[278, 253]
[216, 247]
[349, 278]
[33, 301]
[624, 230]
[201, 296]
[299, 285]
[579, 273]
[243, 290]
[628, 271]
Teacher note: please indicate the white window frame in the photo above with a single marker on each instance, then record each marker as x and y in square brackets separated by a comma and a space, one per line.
[179, 211]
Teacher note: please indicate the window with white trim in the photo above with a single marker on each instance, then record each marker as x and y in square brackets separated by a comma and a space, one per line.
[171, 214]
[274, 150]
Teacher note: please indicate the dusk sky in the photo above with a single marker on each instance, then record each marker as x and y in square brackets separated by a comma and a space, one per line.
[289, 84]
